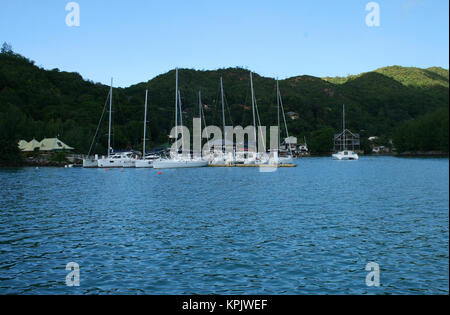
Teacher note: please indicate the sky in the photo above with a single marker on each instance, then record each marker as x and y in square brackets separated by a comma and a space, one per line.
[134, 41]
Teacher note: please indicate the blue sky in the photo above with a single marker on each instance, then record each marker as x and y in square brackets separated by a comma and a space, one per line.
[136, 40]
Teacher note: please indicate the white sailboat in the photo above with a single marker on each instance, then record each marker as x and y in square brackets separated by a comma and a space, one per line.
[119, 159]
[223, 157]
[92, 161]
[147, 160]
[200, 155]
[281, 160]
[256, 157]
[345, 155]
[177, 160]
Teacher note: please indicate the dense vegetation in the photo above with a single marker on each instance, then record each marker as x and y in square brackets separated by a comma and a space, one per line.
[427, 133]
[38, 103]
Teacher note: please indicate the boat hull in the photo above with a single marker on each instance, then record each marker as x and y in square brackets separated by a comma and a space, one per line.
[144, 163]
[285, 160]
[178, 164]
[341, 157]
[90, 163]
[116, 163]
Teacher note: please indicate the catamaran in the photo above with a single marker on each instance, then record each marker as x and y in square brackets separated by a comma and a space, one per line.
[345, 155]
[179, 160]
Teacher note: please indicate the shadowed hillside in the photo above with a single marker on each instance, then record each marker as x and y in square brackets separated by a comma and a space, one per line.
[38, 103]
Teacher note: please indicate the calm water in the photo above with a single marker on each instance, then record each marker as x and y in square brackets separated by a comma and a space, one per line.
[308, 230]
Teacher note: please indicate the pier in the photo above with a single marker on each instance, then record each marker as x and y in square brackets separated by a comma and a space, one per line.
[253, 165]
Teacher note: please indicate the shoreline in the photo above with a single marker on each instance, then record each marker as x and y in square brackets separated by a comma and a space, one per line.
[48, 164]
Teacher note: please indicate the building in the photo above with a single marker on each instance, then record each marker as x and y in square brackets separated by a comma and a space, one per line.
[292, 142]
[46, 145]
[347, 140]
[291, 145]
[53, 144]
[29, 146]
[293, 115]
[22, 145]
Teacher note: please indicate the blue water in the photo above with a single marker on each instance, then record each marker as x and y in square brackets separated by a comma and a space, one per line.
[308, 230]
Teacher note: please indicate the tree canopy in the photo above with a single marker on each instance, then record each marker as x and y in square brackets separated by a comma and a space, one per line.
[38, 103]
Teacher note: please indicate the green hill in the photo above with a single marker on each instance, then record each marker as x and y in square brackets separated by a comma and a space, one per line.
[46, 103]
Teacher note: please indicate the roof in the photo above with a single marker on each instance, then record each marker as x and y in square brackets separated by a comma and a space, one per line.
[30, 146]
[22, 144]
[53, 144]
[290, 140]
[347, 132]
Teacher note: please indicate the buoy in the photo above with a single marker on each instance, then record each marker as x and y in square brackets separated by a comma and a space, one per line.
[122, 170]
[159, 173]
[106, 169]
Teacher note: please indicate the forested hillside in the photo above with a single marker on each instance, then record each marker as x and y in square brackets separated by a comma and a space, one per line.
[38, 103]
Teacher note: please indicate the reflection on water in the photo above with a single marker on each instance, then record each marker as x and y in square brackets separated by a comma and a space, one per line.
[308, 230]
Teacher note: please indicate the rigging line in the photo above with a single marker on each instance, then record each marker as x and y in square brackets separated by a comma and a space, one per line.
[259, 126]
[99, 123]
[243, 107]
[206, 126]
[278, 114]
[228, 108]
[216, 106]
[285, 123]
[181, 120]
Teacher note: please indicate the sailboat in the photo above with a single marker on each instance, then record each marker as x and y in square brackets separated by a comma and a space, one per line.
[256, 157]
[248, 156]
[200, 155]
[125, 159]
[177, 160]
[92, 161]
[223, 157]
[345, 154]
[282, 159]
[147, 160]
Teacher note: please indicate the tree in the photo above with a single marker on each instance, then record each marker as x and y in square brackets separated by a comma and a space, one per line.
[322, 141]
[7, 49]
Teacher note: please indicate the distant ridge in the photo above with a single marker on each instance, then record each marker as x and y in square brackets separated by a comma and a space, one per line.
[409, 76]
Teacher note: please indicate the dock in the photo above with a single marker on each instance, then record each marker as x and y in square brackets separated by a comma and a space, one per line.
[254, 165]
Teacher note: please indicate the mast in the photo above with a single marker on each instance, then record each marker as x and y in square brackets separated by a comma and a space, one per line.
[253, 109]
[278, 116]
[181, 120]
[110, 116]
[200, 113]
[343, 126]
[223, 115]
[145, 124]
[176, 105]
[285, 123]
